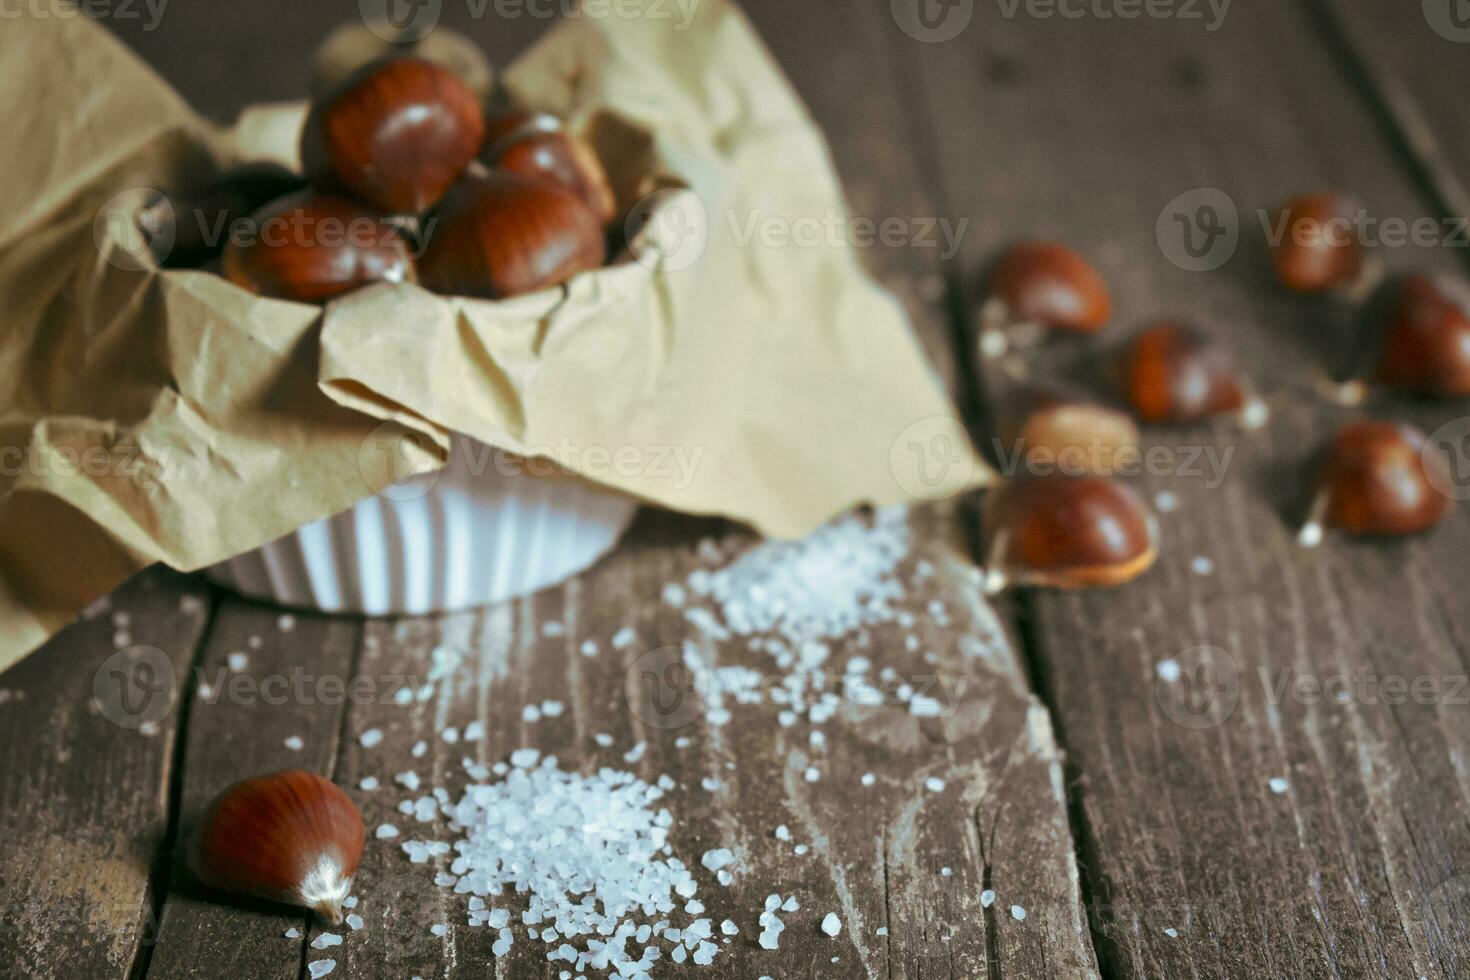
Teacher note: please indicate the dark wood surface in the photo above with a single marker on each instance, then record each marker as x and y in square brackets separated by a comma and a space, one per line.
[1142, 840]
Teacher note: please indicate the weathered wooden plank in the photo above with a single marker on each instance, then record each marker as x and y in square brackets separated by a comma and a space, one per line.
[261, 681]
[1196, 866]
[87, 730]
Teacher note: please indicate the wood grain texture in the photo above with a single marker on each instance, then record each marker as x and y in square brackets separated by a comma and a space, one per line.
[86, 752]
[1195, 866]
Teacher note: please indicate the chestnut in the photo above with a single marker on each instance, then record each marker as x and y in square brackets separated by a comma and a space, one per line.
[396, 134]
[1055, 428]
[195, 226]
[351, 46]
[501, 234]
[1426, 346]
[534, 144]
[1377, 478]
[1317, 248]
[1171, 373]
[1039, 286]
[1070, 532]
[311, 247]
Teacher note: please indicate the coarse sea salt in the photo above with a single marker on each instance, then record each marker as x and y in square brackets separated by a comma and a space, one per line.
[590, 858]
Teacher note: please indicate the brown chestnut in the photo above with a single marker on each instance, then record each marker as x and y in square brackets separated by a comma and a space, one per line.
[311, 247]
[194, 227]
[1039, 286]
[351, 46]
[397, 134]
[502, 234]
[1172, 373]
[1426, 347]
[1066, 431]
[534, 144]
[1070, 532]
[1377, 478]
[1316, 247]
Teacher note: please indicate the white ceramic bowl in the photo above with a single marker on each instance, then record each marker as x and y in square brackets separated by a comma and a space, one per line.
[464, 536]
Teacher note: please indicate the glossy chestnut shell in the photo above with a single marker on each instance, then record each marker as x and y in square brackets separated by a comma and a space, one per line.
[1318, 248]
[1067, 532]
[502, 234]
[1172, 373]
[1051, 286]
[1426, 346]
[311, 247]
[1068, 432]
[397, 134]
[290, 837]
[534, 144]
[1376, 480]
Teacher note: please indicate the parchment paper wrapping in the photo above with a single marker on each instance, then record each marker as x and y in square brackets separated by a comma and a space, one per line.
[151, 415]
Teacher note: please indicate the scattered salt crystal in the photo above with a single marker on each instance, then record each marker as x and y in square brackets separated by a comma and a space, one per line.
[552, 628]
[531, 713]
[934, 784]
[368, 784]
[868, 779]
[603, 739]
[552, 709]
[812, 774]
[817, 739]
[783, 832]
[1201, 565]
[791, 904]
[831, 925]
[716, 859]
[237, 662]
[624, 638]
[385, 831]
[1172, 933]
[882, 931]
[946, 872]
[524, 758]
[674, 595]
[350, 902]
[321, 968]
[588, 648]
[408, 780]
[254, 642]
[326, 941]
[987, 898]
[293, 933]
[682, 742]
[438, 929]
[285, 622]
[710, 784]
[1168, 671]
[370, 738]
[1278, 785]
[355, 922]
[636, 753]
[474, 731]
[800, 849]
[729, 928]
[1018, 912]
[294, 743]
[1167, 501]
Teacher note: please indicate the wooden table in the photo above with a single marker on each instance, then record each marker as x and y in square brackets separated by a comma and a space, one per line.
[1143, 837]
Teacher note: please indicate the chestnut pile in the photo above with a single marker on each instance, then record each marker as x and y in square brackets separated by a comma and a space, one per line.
[406, 179]
[1073, 529]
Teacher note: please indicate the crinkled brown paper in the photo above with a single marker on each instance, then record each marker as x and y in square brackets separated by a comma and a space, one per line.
[166, 416]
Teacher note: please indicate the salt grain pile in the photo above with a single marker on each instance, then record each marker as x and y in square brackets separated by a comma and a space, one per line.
[592, 855]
